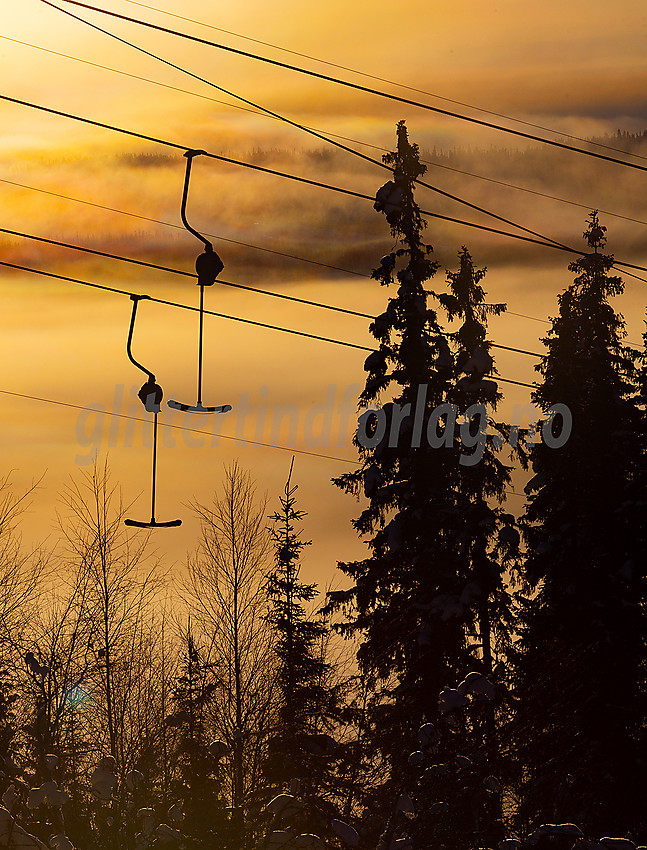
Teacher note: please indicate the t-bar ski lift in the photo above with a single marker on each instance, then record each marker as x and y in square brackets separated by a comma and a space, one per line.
[208, 266]
[150, 396]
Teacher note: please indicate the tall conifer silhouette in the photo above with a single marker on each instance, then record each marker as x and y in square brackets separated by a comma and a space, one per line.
[489, 542]
[410, 498]
[489, 535]
[413, 594]
[581, 671]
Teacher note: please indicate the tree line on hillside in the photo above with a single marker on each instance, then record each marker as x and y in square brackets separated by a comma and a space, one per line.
[497, 698]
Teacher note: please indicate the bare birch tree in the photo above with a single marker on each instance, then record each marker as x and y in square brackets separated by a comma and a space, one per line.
[225, 590]
[120, 589]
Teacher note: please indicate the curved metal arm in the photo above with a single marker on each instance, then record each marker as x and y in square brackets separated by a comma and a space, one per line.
[135, 299]
[189, 159]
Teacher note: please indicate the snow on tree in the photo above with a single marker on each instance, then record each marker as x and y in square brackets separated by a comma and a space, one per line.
[12, 835]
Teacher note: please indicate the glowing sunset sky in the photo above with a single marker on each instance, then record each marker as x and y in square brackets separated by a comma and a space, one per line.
[577, 67]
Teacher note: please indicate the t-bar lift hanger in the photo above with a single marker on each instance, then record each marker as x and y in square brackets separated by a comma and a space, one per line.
[208, 266]
[150, 396]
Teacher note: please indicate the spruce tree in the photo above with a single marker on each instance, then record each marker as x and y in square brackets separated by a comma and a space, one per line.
[301, 747]
[489, 535]
[410, 598]
[488, 540]
[580, 673]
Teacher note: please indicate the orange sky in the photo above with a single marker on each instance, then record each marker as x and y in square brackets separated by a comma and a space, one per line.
[578, 67]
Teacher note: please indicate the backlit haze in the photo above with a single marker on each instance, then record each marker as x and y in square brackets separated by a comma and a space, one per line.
[576, 67]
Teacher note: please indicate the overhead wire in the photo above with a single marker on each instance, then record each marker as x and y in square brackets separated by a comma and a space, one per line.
[181, 227]
[300, 126]
[529, 191]
[186, 306]
[390, 82]
[345, 83]
[146, 264]
[248, 442]
[180, 427]
[283, 174]
[246, 321]
[293, 177]
[171, 270]
[526, 316]
[180, 90]
[433, 163]
[258, 248]
[631, 274]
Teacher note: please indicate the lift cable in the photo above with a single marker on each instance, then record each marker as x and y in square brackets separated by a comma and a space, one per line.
[302, 127]
[293, 331]
[178, 427]
[345, 83]
[433, 163]
[304, 301]
[391, 82]
[258, 248]
[285, 175]
[180, 227]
